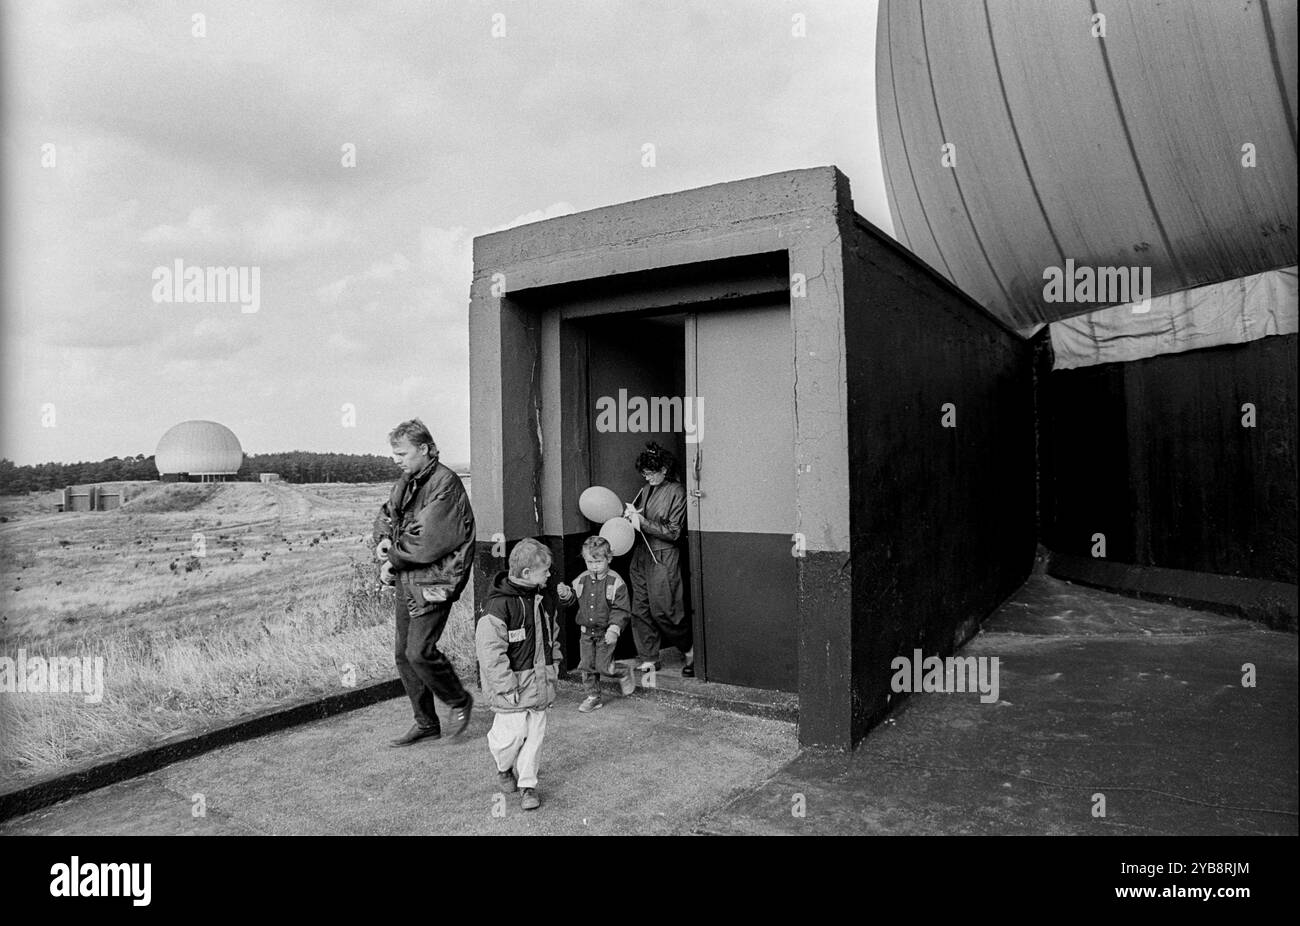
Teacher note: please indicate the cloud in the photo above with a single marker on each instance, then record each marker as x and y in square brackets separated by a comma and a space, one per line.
[217, 338]
[342, 344]
[447, 254]
[378, 270]
[554, 210]
[200, 228]
[413, 386]
[285, 233]
[278, 233]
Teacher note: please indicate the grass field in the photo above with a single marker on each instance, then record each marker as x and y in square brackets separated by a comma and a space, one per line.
[206, 602]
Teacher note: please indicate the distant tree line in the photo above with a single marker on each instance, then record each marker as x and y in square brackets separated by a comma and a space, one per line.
[294, 466]
[15, 480]
[300, 466]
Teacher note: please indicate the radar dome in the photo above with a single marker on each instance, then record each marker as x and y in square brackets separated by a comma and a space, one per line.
[199, 448]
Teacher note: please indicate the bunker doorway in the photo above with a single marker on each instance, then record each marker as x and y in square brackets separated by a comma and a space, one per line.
[731, 429]
[631, 362]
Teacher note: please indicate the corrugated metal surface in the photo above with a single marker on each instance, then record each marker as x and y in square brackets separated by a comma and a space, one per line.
[1122, 151]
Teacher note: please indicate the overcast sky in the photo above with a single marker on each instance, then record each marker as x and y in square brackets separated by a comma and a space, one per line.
[226, 149]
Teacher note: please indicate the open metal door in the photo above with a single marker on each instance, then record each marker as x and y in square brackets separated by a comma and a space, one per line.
[740, 488]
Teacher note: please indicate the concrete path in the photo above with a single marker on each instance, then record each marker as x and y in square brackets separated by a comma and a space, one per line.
[645, 765]
[1098, 695]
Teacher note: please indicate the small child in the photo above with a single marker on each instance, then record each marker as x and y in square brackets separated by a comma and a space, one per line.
[604, 609]
[518, 645]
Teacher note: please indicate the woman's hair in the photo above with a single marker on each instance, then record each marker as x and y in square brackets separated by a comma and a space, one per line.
[655, 457]
[416, 432]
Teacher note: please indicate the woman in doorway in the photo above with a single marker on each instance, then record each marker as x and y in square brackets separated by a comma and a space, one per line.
[659, 515]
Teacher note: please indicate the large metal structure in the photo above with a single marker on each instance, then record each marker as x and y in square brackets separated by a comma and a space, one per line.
[1116, 134]
[199, 449]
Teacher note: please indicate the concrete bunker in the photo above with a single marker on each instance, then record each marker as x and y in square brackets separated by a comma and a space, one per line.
[766, 304]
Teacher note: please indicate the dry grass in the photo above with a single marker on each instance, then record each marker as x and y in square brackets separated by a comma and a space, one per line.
[281, 608]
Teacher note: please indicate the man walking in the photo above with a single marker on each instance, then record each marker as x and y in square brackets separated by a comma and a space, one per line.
[424, 538]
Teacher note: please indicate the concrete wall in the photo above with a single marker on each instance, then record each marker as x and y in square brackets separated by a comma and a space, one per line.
[942, 517]
[1153, 455]
[96, 496]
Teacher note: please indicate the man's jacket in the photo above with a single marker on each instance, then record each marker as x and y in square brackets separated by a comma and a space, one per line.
[663, 517]
[430, 522]
[517, 641]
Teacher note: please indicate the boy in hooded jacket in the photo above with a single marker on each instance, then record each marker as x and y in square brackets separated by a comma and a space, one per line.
[518, 645]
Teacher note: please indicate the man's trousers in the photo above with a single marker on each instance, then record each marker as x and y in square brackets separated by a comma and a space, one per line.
[424, 670]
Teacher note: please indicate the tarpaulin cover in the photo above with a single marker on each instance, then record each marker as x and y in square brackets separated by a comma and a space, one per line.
[1232, 312]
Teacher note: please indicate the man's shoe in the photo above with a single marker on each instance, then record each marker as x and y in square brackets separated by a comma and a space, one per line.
[459, 718]
[509, 784]
[590, 703]
[415, 734]
[688, 670]
[530, 800]
[626, 683]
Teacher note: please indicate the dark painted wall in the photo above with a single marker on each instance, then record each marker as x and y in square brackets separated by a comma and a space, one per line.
[751, 626]
[1153, 454]
[647, 359]
[941, 519]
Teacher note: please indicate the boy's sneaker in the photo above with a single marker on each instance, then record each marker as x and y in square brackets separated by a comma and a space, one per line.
[530, 800]
[649, 666]
[626, 683]
[509, 784]
[590, 703]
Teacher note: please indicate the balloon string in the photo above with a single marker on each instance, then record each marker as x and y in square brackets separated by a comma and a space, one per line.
[642, 533]
[648, 547]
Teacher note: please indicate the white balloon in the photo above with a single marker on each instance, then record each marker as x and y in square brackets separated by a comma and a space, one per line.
[599, 504]
[620, 534]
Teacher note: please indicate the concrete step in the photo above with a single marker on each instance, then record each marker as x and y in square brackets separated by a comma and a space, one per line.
[669, 683]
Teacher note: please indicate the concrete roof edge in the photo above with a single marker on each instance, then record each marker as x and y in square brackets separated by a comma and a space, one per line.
[829, 170]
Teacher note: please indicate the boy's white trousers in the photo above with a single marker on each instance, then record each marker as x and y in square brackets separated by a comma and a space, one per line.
[516, 742]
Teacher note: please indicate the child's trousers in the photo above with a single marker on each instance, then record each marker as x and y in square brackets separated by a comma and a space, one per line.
[516, 742]
[596, 656]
